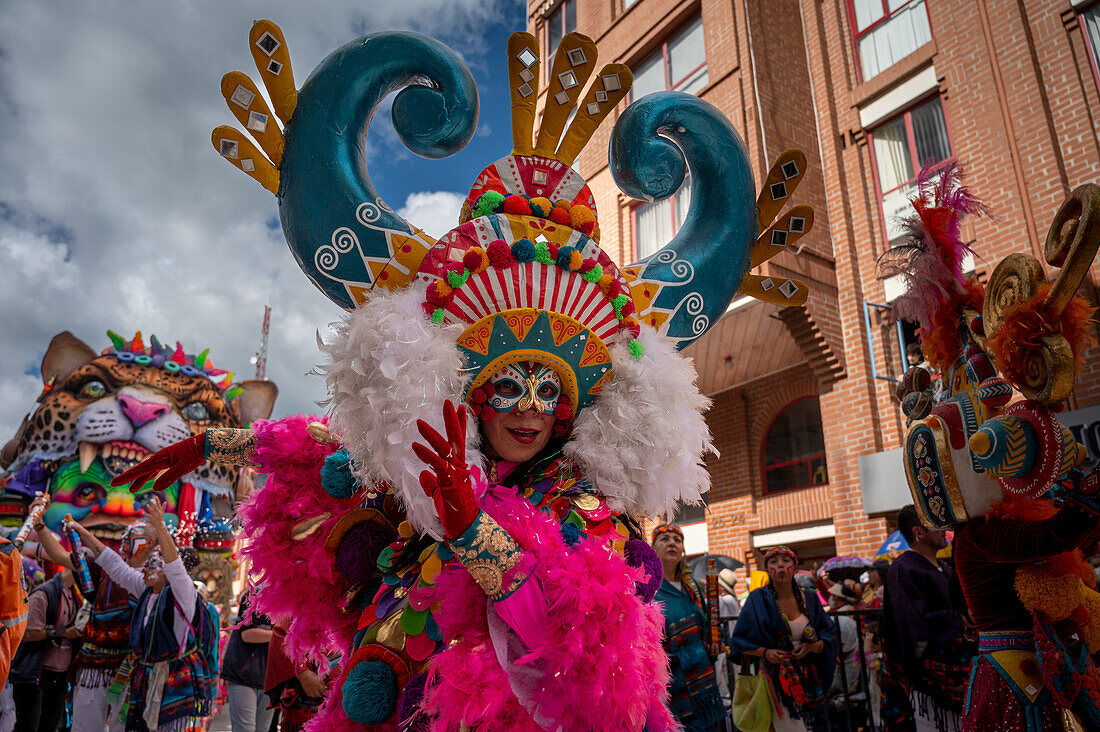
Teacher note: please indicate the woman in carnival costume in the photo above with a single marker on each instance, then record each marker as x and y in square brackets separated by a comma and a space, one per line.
[174, 638]
[105, 644]
[502, 400]
[693, 688]
[991, 460]
[789, 629]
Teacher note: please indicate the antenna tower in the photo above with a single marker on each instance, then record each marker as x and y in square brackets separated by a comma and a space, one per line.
[261, 355]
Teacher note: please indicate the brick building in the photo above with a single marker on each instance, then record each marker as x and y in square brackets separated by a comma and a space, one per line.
[869, 89]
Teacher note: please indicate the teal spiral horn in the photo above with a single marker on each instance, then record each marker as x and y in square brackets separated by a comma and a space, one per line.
[344, 236]
[693, 279]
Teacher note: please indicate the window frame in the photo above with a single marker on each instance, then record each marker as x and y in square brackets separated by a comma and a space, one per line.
[911, 141]
[764, 467]
[663, 48]
[1091, 51]
[635, 206]
[559, 8]
[886, 15]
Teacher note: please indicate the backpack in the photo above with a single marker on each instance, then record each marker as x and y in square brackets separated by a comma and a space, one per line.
[27, 664]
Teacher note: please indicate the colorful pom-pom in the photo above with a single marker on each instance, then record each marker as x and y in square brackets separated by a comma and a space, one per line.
[524, 250]
[457, 278]
[628, 307]
[614, 289]
[543, 205]
[437, 316]
[630, 325]
[605, 283]
[559, 215]
[637, 350]
[619, 302]
[554, 249]
[489, 202]
[575, 261]
[564, 410]
[487, 413]
[439, 293]
[542, 254]
[336, 477]
[475, 260]
[580, 215]
[500, 254]
[370, 693]
[517, 205]
[565, 256]
[570, 534]
[593, 275]
[478, 396]
[561, 429]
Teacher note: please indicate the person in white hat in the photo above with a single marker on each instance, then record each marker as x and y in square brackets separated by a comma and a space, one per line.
[728, 610]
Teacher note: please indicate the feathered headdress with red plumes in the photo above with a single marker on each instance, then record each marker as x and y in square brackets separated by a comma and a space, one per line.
[930, 259]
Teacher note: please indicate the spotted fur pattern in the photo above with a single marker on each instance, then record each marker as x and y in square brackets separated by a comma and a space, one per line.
[91, 405]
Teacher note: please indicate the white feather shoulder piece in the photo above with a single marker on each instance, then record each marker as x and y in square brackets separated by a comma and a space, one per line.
[390, 366]
[643, 441]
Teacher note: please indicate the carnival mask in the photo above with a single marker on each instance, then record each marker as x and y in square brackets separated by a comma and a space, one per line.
[521, 386]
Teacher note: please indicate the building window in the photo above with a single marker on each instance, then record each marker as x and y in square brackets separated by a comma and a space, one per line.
[562, 20]
[886, 31]
[901, 146]
[656, 223]
[1090, 25]
[794, 451]
[680, 63]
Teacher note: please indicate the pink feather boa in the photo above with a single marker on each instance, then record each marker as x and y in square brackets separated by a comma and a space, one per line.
[299, 578]
[604, 645]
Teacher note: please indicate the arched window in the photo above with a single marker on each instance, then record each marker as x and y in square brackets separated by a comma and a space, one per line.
[794, 450]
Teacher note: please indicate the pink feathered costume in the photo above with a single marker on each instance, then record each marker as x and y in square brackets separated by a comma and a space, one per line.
[577, 628]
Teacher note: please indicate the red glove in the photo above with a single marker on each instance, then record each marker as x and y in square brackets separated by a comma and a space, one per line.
[448, 481]
[175, 460]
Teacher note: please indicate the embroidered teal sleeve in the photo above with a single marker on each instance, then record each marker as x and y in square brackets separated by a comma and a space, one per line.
[489, 554]
[228, 446]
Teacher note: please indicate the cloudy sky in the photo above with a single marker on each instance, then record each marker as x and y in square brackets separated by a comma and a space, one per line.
[116, 212]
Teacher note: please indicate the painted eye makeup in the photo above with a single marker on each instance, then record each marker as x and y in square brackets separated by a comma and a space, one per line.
[508, 388]
[519, 387]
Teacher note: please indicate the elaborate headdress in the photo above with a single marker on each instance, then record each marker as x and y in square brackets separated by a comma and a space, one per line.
[780, 551]
[522, 279]
[666, 529]
[171, 360]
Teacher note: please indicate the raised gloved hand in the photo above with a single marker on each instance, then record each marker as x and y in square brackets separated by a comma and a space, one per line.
[175, 461]
[448, 481]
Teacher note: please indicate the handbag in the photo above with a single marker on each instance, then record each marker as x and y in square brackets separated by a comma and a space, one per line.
[753, 705]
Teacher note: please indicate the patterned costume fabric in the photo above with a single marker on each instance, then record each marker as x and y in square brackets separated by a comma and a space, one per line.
[918, 614]
[991, 459]
[693, 690]
[106, 639]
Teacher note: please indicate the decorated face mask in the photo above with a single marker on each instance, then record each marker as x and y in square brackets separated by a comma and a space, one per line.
[134, 540]
[521, 386]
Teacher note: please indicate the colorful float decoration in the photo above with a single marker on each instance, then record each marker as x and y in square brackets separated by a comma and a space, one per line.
[100, 414]
[343, 539]
[989, 447]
